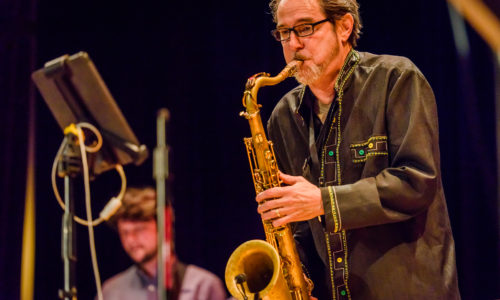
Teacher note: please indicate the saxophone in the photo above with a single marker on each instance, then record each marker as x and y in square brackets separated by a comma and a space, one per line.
[259, 269]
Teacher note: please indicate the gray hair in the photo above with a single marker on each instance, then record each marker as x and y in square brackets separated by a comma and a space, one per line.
[334, 10]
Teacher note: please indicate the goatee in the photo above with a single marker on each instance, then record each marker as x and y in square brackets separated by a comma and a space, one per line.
[307, 75]
[149, 256]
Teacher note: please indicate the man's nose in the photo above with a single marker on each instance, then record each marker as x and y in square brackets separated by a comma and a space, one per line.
[129, 237]
[294, 42]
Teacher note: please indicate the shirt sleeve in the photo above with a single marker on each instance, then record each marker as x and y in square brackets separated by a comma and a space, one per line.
[411, 181]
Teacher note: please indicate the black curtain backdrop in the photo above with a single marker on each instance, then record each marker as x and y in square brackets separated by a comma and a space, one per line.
[17, 59]
[194, 57]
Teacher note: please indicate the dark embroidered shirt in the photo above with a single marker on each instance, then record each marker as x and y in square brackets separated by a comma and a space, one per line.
[385, 233]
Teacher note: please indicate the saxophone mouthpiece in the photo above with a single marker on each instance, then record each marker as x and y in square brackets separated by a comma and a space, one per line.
[293, 66]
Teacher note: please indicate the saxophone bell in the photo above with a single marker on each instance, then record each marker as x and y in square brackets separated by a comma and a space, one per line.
[254, 272]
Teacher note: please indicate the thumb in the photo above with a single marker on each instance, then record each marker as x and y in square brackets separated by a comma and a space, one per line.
[289, 179]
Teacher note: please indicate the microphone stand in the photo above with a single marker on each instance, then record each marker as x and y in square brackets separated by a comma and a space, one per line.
[69, 167]
[160, 173]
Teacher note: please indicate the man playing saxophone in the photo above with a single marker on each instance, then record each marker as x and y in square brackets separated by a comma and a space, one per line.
[357, 145]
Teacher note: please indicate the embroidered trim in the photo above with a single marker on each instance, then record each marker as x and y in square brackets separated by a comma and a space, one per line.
[330, 158]
[371, 139]
[330, 254]
[337, 206]
[339, 87]
[375, 146]
[369, 154]
[333, 201]
[338, 263]
[323, 152]
[339, 136]
[340, 90]
[346, 273]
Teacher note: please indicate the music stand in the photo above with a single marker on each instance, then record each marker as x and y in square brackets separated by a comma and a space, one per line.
[75, 92]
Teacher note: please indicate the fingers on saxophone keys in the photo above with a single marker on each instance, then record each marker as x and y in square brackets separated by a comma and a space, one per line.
[261, 211]
[266, 206]
[282, 220]
[261, 197]
[272, 214]
[268, 194]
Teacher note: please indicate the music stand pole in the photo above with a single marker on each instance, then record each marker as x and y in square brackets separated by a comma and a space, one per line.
[160, 173]
[69, 167]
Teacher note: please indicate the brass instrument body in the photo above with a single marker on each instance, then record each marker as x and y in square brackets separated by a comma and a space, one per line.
[287, 280]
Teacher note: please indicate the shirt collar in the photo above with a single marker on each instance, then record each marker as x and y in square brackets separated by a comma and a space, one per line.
[346, 71]
[145, 279]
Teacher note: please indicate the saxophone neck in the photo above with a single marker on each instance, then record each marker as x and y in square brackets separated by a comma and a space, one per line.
[259, 80]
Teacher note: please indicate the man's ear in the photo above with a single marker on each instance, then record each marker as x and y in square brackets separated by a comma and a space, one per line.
[344, 27]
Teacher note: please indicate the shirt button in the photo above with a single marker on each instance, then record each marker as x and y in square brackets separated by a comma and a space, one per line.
[151, 288]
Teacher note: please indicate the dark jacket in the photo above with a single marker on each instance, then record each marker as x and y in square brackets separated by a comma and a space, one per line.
[377, 164]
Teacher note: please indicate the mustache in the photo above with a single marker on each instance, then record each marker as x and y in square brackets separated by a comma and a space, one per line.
[298, 56]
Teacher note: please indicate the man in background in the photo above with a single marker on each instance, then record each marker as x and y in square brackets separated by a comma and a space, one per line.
[135, 222]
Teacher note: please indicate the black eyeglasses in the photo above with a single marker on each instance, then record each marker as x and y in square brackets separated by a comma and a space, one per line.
[283, 34]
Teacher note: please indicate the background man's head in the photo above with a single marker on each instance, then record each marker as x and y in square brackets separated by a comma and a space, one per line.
[135, 222]
[333, 10]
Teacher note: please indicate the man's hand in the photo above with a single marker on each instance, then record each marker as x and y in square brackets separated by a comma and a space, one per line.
[299, 201]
